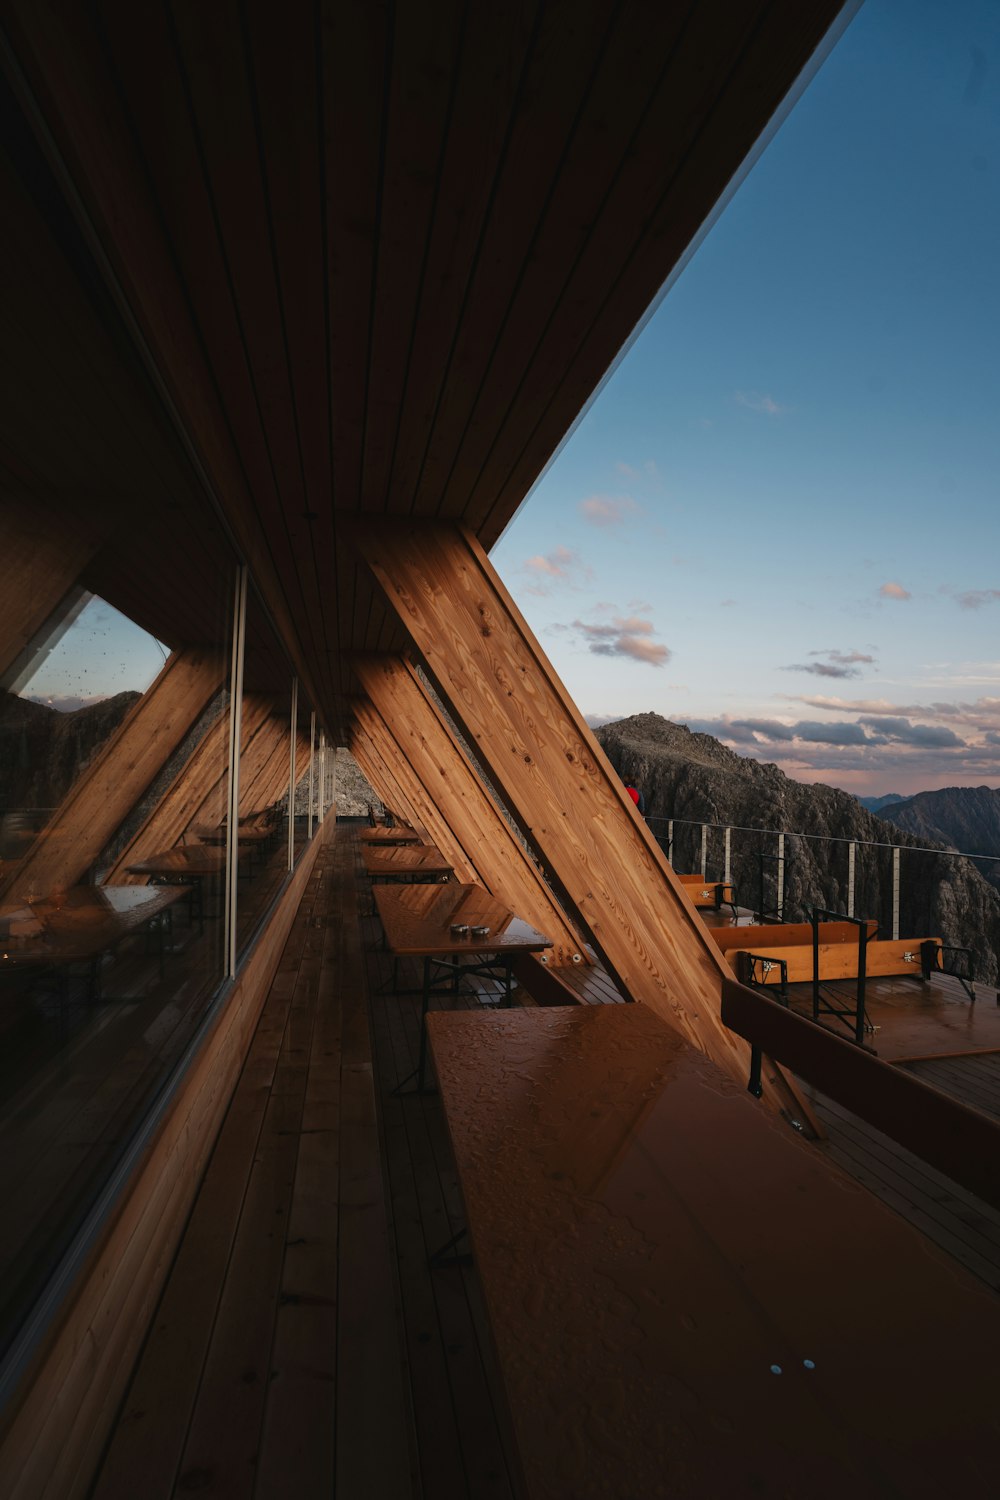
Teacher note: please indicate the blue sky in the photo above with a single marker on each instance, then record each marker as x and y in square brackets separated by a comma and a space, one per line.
[778, 521]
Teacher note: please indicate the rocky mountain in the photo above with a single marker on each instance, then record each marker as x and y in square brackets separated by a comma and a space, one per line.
[963, 817]
[692, 779]
[876, 804]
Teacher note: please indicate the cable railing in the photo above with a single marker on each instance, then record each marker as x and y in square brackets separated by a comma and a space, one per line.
[784, 872]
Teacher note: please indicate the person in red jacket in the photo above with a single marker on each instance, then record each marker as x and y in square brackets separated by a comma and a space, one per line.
[637, 798]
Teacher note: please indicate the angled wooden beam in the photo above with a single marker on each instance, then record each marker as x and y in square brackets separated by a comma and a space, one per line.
[573, 808]
[498, 856]
[429, 816]
[379, 777]
[41, 564]
[195, 794]
[112, 784]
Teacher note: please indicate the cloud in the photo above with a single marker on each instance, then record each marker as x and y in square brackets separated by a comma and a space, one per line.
[758, 401]
[562, 565]
[629, 635]
[894, 591]
[976, 598]
[607, 510]
[837, 664]
[902, 731]
[598, 721]
[627, 471]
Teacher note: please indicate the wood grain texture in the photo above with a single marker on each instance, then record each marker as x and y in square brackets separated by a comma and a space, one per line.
[836, 960]
[112, 784]
[573, 808]
[55, 1430]
[500, 861]
[40, 564]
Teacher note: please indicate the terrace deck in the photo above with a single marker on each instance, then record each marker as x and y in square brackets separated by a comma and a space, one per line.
[913, 1018]
[302, 1346]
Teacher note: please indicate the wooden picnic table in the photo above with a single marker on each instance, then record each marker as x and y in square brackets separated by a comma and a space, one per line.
[689, 1300]
[417, 921]
[405, 863]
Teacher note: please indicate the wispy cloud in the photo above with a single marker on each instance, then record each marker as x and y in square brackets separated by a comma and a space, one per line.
[760, 401]
[837, 664]
[894, 591]
[563, 565]
[976, 598]
[607, 510]
[598, 721]
[628, 635]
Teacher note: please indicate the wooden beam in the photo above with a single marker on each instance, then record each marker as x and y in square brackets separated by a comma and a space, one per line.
[380, 777]
[499, 857]
[40, 566]
[572, 806]
[112, 784]
[199, 785]
[440, 832]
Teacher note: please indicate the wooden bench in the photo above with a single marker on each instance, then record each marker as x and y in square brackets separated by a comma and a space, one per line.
[785, 934]
[707, 893]
[792, 963]
[687, 1299]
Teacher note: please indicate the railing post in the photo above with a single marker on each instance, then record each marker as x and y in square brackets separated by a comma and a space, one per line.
[895, 894]
[704, 850]
[779, 895]
[851, 855]
[727, 873]
[670, 840]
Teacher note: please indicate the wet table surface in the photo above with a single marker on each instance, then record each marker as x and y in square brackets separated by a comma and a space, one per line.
[403, 861]
[687, 1299]
[417, 920]
[83, 921]
[389, 836]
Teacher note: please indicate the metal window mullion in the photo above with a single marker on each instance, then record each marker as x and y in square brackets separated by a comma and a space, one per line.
[292, 748]
[235, 733]
[321, 810]
[312, 772]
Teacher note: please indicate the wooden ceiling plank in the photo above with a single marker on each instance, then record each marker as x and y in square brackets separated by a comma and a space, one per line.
[496, 44]
[425, 64]
[355, 59]
[500, 688]
[285, 43]
[111, 785]
[558, 75]
[622, 150]
[500, 860]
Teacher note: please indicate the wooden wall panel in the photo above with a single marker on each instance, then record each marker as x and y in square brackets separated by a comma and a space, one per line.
[500, 860]
[56, 1428]
[117, 777]
[574, 809]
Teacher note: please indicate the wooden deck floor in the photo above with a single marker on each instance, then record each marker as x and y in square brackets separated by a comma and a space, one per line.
[302, 1347]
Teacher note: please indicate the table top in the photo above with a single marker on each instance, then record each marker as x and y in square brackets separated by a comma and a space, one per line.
[389, 836]
[404, 860]
[417, 918]
[244, 835]
[84, 920]
[187, 859]
[687, 1299]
